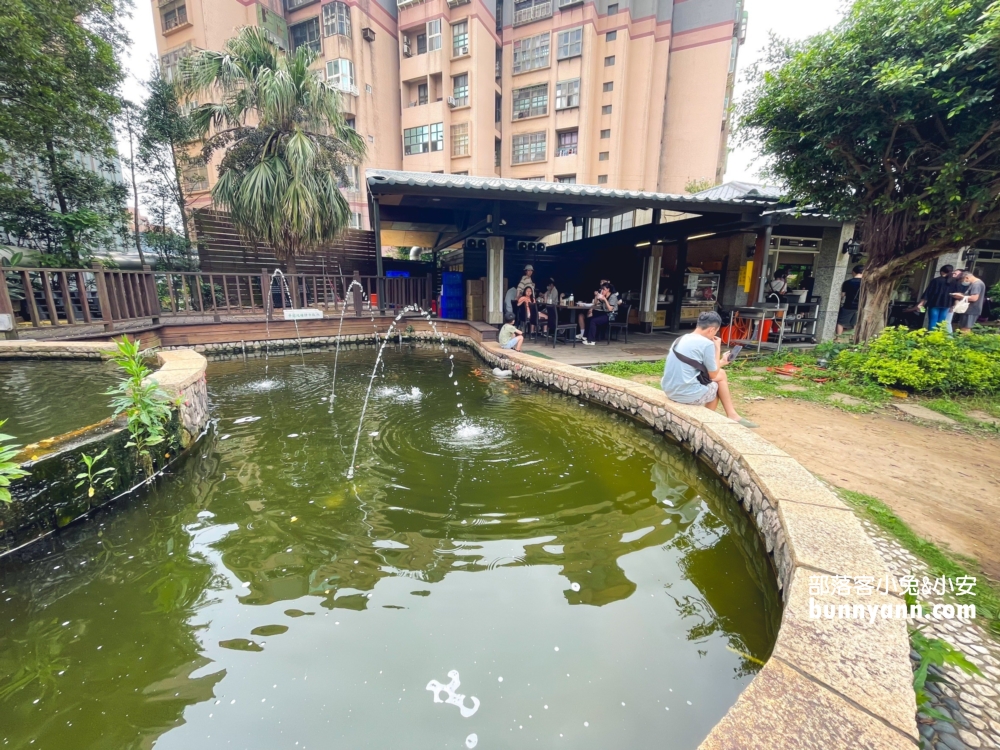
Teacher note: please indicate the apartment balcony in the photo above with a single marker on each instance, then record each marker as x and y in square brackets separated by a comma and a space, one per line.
[532, 13]
[422, 115]
[566, 150]
[420, 66]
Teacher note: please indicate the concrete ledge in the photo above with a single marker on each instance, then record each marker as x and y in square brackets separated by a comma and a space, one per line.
[182, 376]
[26, 349]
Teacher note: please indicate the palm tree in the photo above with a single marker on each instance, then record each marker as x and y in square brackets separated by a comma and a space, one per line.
[287, 145]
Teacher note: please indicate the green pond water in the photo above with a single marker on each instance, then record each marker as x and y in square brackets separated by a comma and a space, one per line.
[42, 399]
[585, 583]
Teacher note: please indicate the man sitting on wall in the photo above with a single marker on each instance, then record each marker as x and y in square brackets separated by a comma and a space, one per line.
[693, 371]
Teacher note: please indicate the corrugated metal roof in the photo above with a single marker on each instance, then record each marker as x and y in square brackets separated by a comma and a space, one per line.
[377, 177]
[736, 190]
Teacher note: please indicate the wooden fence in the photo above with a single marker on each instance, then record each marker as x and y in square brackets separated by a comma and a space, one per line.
[85, 297]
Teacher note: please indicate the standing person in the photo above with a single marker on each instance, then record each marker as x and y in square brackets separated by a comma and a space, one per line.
[975, 295]
[526, 280]
[600, 314]
[938, 299]
[509, 337]
[850, 291]
[693, 371]
[508, 301]
[955, 285]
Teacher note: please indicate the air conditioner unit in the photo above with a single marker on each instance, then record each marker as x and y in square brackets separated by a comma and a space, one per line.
[451, 101]
[368, 34]
[540, 247]
[522, 247]
[406, 50]
[463, 50]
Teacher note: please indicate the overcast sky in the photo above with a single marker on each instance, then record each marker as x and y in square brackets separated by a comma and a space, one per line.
[793, 19]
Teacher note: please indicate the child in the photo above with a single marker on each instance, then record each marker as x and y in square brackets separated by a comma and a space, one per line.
[510, 337]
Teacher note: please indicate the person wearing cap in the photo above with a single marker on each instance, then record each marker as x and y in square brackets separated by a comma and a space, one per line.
[526, 280]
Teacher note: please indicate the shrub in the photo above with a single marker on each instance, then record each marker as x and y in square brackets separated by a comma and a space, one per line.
[927, 361]
[145, 406]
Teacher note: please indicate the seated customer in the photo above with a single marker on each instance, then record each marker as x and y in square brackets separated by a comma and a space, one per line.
[527, 310]
[510, 337]
[599, 315]
[693, 372]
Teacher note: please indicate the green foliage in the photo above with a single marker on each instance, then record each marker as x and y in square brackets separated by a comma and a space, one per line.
[936, 652]
[927, 361]
[8, 469]
[628, 369]
[279, 179]
[95, 479]
[60, 72]
[145, 406]
[698, 184]
[890, 118]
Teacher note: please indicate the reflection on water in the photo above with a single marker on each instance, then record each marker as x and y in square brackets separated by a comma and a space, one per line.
[561, 569]
[42, 399]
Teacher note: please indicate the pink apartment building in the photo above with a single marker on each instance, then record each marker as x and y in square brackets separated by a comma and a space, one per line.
[632, 94]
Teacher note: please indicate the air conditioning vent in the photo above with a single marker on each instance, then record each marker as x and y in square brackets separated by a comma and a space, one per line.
[368, 34]
[451, 101]
[463, 50]
[406, 50]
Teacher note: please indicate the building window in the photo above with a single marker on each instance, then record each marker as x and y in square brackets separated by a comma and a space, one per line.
[460, 39]
[174, 15]
[421, 44]
[416, 140]
[353, 179]
[336, 19]
[195, 178]
[527, 11]
[608, 86]
[609, 61]
[531, 53]
[566, 179]
[602, 179]
[291, 5]
[461, 174]
[603, 156]
[170, 62]
[568, 94]
[733, 53]
[351, 123]
[622, 221]
[612, 9]
[421, 94]
[340, 75]
[571, 233]
[460, 139]
[355, 221]
[567, 142]
[437, 136]
[528, 147]
[306, 34]
[433, 35]
[496, 152]
[606, 133]
[606, 109]
[498, 108]
[611, 36]
[460, 89]
[570, 44]
[539, 178]
[531, 101]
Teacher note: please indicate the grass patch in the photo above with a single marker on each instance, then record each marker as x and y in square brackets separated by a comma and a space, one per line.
[628, 369]
[939, 561]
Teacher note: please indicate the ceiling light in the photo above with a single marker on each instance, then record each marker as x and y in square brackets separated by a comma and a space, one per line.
[642, 244]
[701, 236]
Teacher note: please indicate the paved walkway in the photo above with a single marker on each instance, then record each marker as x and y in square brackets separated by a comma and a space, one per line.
[640, 347]
[971, 701]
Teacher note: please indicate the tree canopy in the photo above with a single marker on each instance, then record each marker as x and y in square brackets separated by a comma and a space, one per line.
[287, 146]
[892, 119]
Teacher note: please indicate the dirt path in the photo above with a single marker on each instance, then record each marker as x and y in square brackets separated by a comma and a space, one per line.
[944, 483]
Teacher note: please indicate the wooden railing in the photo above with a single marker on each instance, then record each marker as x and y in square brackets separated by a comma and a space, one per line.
[80, 297]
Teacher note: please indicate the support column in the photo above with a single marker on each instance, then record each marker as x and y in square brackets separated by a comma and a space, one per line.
[830, 269]
[650, 286]
[678, 285]
[379, 281]
[494, 280]
[733, 293]
[759, 270]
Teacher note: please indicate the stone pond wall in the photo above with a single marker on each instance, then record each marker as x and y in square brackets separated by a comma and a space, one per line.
[48, 499]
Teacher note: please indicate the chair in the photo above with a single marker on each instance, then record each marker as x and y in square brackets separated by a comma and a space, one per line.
[557, 326]
[620, 323]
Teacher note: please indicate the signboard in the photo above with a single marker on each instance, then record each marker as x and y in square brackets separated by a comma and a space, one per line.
[305, 313]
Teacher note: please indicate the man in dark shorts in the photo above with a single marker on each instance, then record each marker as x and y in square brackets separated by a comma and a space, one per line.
[849, 294]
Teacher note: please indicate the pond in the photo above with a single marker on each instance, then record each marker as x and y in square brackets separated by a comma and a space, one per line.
[42, 399]
[534, 572]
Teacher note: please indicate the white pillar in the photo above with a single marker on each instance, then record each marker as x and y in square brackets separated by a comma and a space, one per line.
[650, 285]
[494, 280]
[830, 270]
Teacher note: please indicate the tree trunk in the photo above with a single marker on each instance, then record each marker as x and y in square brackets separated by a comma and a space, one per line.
[293, 281]
[181, 204]
[873, 306]
[135, 185]
[56, 180]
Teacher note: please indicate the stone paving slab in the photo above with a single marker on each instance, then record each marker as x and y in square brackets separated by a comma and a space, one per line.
[784, 478]
[846, 399]
[922, 412]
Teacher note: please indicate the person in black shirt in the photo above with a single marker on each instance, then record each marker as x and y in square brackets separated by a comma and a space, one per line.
[850, 291]
[938, 299]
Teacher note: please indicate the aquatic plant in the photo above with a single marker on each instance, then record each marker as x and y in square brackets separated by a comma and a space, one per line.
[94, 478]
[145, 406]
[8, 469]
